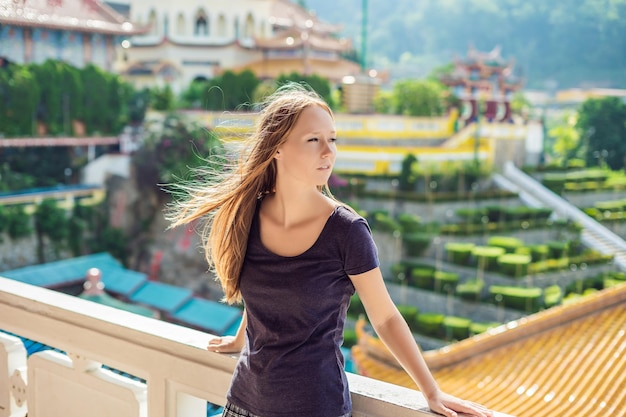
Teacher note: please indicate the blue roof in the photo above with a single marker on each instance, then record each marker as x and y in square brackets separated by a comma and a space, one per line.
[115, 277]
[210, 315]
[164, 297]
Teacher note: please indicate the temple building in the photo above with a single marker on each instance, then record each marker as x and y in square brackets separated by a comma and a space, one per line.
[192, 39]
[483, 78]
[79, 32]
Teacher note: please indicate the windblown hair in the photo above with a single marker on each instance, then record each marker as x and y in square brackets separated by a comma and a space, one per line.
[226, 200]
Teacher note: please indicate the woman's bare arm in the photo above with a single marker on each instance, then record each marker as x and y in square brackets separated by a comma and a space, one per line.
[395, 333]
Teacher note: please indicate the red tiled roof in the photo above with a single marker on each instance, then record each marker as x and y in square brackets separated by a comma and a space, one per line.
[78, 15]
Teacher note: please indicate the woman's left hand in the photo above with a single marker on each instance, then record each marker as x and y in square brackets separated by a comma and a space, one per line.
[448, 405]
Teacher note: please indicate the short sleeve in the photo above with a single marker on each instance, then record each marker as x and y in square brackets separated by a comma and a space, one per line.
[361, 254]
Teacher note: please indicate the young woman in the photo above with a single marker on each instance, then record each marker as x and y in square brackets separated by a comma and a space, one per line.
[280, 243]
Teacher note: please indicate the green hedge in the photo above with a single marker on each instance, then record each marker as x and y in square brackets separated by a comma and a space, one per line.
[459, 253]
[410, 223]
[509, 244]
[456, 328]
[446, 282]
[410, 314]
[349, 338]
[515, 265]
[356, 308]
[525, 299]
[487, 256]
[476, 328]
[470, 290]
[423, 277]
[552, 296]
[430, 324]
[416, 243]
[557, 249]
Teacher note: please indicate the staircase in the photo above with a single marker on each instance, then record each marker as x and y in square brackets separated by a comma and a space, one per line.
[594, 235]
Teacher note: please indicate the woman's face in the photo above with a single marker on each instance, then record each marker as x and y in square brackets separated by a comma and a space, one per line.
[309, 151]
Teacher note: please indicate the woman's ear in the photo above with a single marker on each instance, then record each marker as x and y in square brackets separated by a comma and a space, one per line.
[277, 155]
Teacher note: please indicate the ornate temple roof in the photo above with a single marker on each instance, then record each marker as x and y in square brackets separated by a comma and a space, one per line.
[286, 14]
[568, 360]
[295, 38]
[295, 27]
[77, 15]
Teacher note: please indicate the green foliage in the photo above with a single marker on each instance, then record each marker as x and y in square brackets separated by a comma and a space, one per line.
[459, 253]
[508, 243]
[228, 91]
[173, 151]
[113, 241]
[50, 220]
[408, 174]
[552, 296]
[34, 167]
[162, 99]
[513, 264]
[319, 84]
[566, 139]
[477, 328]
[409, 222]
[19, 97]
[18, 222]
[416, 243]
[409, 313]
[356, 307]
[602, 123]
[571, 42]
[526, 299]
[422, 277]
[430, 324]
[470, 290]
[487, 256]
[445, 282]
[456, 328]
[418, 98]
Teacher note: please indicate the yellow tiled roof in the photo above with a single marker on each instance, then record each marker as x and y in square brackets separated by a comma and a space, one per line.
[566, 361]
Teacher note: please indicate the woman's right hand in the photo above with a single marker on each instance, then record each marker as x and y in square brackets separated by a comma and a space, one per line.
[225, 344]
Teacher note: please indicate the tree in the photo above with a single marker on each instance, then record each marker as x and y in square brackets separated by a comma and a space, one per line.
[418, 98]
[566, 139]
[50, 221]
[319, 84]
[602, 126]
[408, 173]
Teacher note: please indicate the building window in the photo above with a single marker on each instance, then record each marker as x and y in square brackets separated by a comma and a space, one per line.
[236, 28]
[222, 32]
[180, 25]
[152, 22]
[248, 30]
[202, 24]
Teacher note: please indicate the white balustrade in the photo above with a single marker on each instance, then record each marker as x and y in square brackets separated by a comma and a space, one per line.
[178, 375]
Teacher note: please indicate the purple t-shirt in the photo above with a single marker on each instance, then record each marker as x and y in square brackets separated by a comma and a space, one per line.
[291, 364]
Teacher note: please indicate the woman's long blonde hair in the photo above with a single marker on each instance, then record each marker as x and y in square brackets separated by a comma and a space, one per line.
[227, 201]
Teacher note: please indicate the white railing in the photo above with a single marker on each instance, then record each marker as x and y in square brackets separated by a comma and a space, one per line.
[179, 375]
[594, 234]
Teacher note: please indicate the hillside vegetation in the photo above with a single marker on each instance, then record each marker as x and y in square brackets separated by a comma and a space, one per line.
[567, 42]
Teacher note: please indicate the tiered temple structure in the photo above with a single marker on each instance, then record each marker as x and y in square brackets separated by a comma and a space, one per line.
[192, 39]
[483, 77]
[79, 32]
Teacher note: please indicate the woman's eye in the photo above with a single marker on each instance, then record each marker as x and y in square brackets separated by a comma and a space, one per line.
[333, 139]
[313, 140]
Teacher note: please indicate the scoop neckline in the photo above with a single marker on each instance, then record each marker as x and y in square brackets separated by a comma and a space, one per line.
[303, 253]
